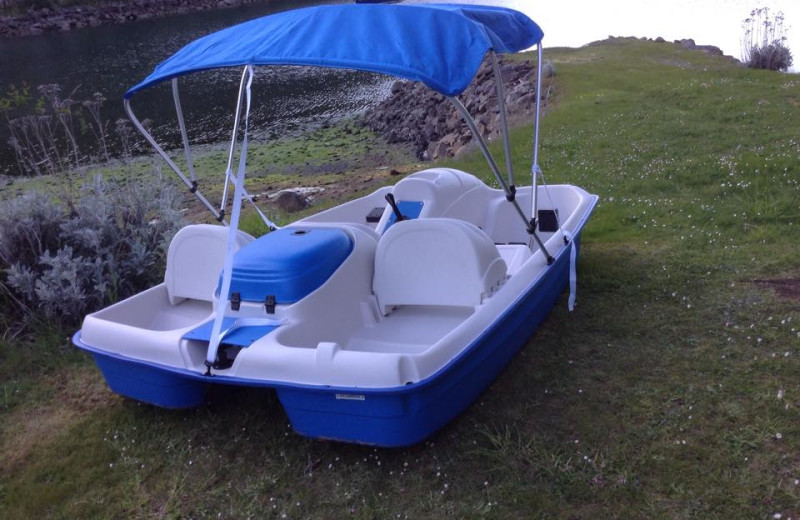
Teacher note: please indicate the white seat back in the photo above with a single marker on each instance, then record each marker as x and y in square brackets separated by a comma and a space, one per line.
[436, 261]
[195, 259]
[436, 188]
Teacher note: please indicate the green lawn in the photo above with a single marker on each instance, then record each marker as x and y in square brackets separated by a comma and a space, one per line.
[672, 391]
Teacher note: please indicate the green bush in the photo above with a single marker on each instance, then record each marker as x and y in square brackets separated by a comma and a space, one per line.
[59, 263]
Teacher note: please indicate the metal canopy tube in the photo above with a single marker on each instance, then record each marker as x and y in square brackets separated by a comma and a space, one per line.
[481, 143]
[529, 223]
[501, 106]
[535, 170]
[270, 224]
[485, 149]
[228, 170]
[227, 270]
[163, 154]
[184, 136]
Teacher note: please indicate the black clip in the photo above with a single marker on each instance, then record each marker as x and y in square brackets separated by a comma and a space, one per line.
[511, 194]
[270, 303]
[236, 301]
[531, 227]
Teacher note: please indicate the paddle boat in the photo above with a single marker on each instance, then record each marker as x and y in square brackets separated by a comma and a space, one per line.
[377, 321]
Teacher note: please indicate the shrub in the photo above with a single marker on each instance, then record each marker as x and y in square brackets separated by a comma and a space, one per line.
[764, 41]
[774, 56]
[60, 263]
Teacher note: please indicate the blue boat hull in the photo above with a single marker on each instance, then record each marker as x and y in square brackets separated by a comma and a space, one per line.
[148, 383]
[391, 417]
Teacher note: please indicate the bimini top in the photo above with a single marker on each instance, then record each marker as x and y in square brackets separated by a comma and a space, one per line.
[441, 45]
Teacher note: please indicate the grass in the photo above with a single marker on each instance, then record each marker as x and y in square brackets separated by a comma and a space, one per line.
[318, 158]
[670, 392]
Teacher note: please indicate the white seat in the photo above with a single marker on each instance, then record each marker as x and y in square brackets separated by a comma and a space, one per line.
[436, 261]
[438, 189]
[195, 259]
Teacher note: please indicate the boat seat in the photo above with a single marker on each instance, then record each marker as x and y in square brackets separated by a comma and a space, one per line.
[428, 193]
[195, 258]
[436, 261]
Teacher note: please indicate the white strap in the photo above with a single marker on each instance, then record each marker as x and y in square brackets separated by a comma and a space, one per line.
[573, 270]
[233, 231]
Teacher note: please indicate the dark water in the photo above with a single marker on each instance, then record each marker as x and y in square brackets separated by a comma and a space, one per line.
[111, 59]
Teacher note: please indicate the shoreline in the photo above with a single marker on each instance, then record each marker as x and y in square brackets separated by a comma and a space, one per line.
[47, 20]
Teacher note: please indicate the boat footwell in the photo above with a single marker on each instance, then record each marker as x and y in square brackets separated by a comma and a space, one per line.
[390, 417]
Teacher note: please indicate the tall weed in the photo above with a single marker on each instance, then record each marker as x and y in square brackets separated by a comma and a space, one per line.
[764, 41]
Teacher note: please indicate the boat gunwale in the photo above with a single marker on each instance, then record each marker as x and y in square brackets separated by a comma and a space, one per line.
[389, 390]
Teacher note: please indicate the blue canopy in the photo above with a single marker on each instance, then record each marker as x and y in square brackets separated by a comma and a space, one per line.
[441, 45]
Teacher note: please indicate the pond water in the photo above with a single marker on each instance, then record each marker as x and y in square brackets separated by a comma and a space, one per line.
[112, 58]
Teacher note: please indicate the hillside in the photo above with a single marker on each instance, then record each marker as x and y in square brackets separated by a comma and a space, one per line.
[672, 391]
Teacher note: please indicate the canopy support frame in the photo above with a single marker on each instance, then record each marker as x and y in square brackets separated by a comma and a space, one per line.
[535, 169]
[184, 136]
[530, 223]
[191, 181]
[238, 194]
[232, 148]
[501, 107]
[174, 167]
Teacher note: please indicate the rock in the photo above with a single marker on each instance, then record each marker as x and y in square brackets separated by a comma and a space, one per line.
[710, 49]
[36, 21]
[291, 201]
[423, 119]
[449, 139]
[548, 70]
[436, 151]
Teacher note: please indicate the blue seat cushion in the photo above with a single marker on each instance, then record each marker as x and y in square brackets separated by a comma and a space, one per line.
[288, 263]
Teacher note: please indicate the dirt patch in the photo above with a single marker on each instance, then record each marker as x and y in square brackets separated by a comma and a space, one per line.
[788, 288]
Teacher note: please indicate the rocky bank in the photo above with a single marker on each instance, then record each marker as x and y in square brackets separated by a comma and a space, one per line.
[50, 19]
[416, 115]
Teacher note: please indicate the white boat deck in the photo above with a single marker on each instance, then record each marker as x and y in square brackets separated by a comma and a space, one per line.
[410, 330]
[369, 323]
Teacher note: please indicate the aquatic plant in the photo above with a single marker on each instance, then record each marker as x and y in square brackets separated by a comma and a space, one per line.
[45, 129]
